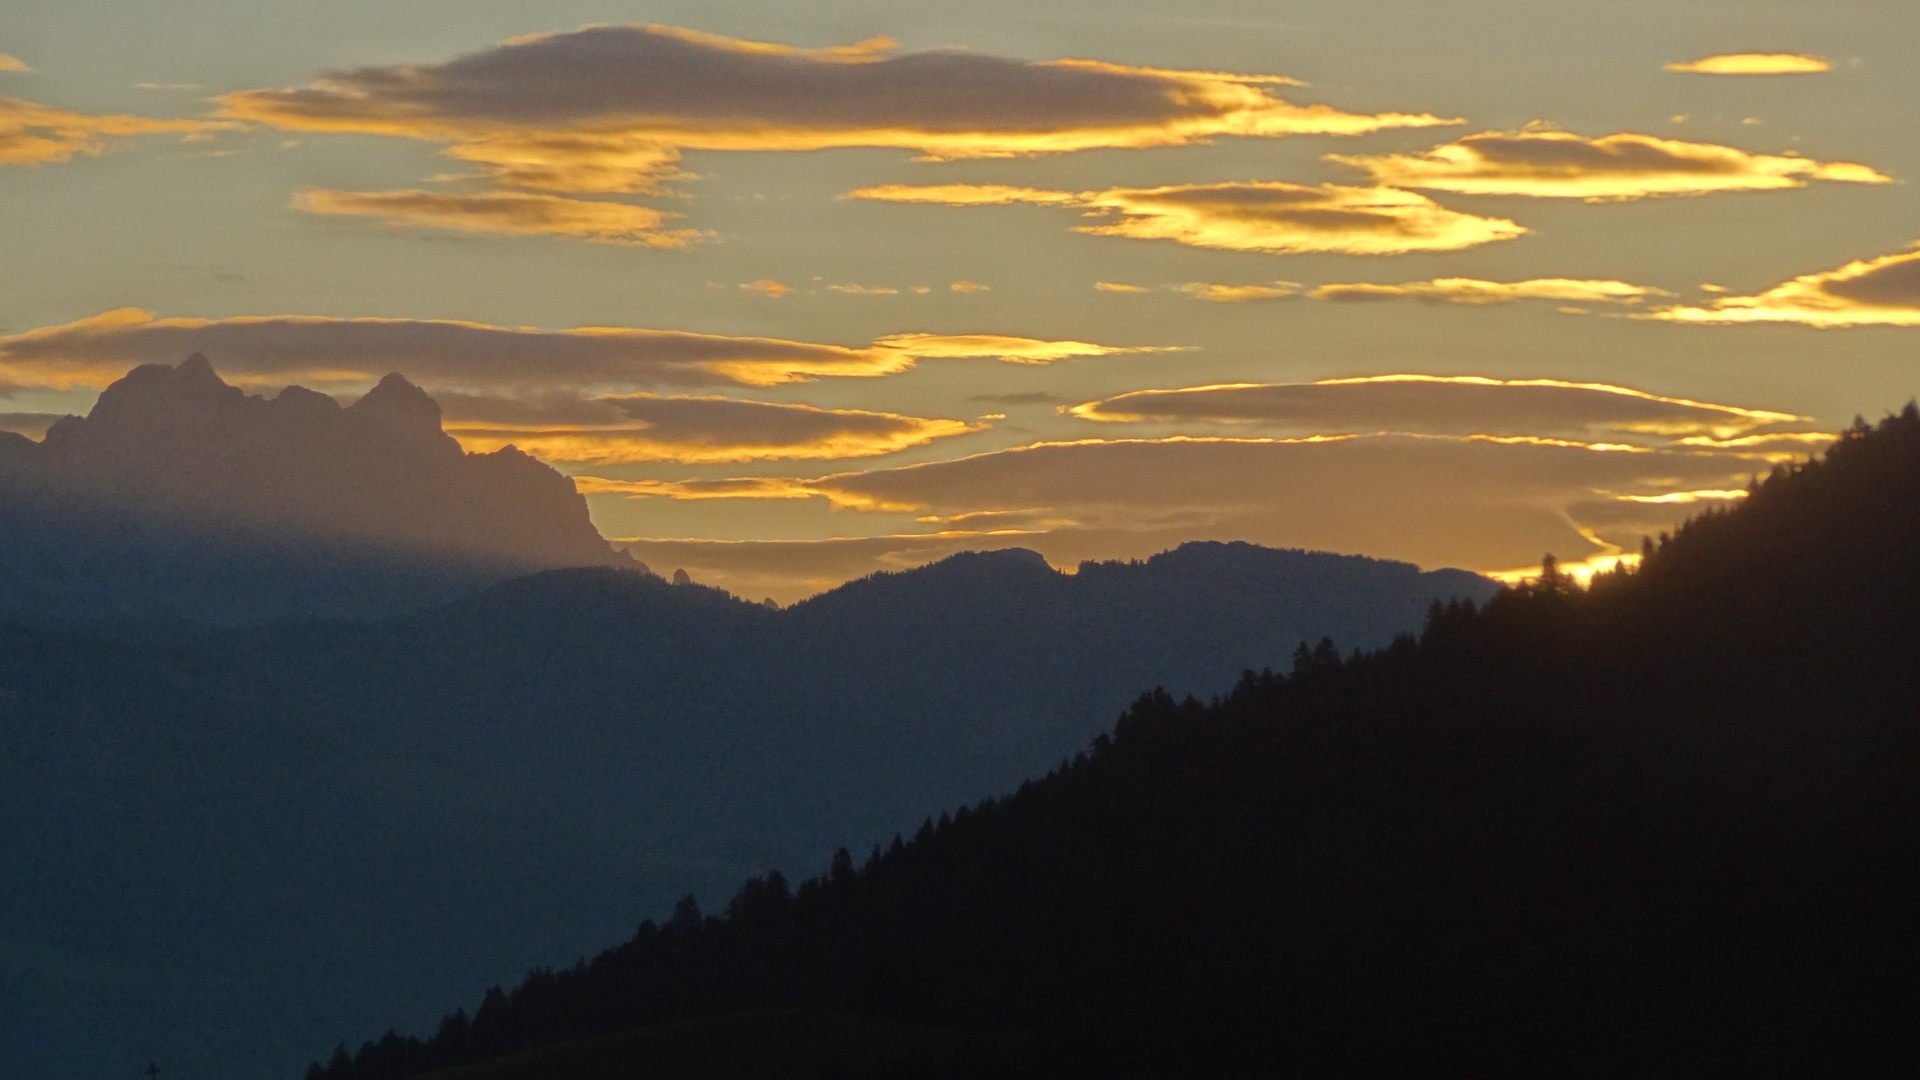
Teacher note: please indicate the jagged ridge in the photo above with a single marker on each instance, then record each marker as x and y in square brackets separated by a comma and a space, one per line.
[172, 461]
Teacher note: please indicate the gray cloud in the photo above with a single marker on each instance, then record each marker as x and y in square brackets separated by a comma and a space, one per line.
[1441, 405]
[610, 108]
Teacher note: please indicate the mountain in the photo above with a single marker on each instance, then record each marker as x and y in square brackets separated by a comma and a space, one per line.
[1664, 826]
[181, 496]
[220, 847]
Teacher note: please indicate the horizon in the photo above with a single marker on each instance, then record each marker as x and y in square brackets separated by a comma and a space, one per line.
[142, 381]
[1344, 537]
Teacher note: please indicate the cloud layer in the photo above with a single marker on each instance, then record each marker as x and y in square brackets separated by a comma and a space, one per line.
[273, 350]
[1883, 291]
[32, 134]
[1269, 216]
[503, 213]
[1464, 406]
[611, 108]
[1611, 168]
[1753, 64]
[1438, 501]
[1478, 292]
[1465, 471]
[697, 430]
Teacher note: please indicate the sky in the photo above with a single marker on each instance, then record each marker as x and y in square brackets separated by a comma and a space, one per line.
[801, 292]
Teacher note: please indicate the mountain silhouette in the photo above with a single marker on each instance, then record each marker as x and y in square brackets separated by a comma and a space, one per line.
[1662, 826]
[179, 495]
[224, 846]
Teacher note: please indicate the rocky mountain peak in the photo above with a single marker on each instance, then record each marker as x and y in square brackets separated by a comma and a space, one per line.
[176, 450]
[397, 405]
[188, 394]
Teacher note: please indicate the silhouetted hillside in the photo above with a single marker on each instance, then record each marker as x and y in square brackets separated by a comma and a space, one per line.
[181, 496]
[1664, 827]
[523, 774]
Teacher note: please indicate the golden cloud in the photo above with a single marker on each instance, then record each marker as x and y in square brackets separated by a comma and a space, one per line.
[12, 63]
[1012, 350]
[967, 195]
[32, 134]
[1458, 406]
[745, 487]
[1770, 446]
[444, 354]
[862, 290]
[1236, 294]
[968, 286]
[1265, 216]
[638, 428]
[1688, 497]
[1117, 286]
[768, 288]
[505, 213]
[1611, 168]
[1753, 64]
[611, 108]
[1883, 291]
[1475, 291]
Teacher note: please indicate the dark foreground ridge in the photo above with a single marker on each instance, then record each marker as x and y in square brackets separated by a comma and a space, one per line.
[181, 496]
[1665, 826]
[223, 848]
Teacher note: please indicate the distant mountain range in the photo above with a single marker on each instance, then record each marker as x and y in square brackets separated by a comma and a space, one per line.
[220, 847]
[1663, 827]
[181, 496]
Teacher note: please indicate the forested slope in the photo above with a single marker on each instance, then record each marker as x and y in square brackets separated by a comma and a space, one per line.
[1667, 826]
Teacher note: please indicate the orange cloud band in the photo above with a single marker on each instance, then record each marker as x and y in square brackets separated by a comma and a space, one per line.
[1883, 291]
[32, 134]
[442, 354]
[503, 213]
[610, 108]
[1612, 168]
[693, 430]
[1269, 216]
[1012, 350]
[1476, 292]
[1459, 406]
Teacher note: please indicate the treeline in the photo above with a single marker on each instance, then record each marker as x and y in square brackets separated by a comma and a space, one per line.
[1663, 825]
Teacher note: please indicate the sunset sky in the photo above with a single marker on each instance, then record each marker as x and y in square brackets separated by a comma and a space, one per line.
[800, 292]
